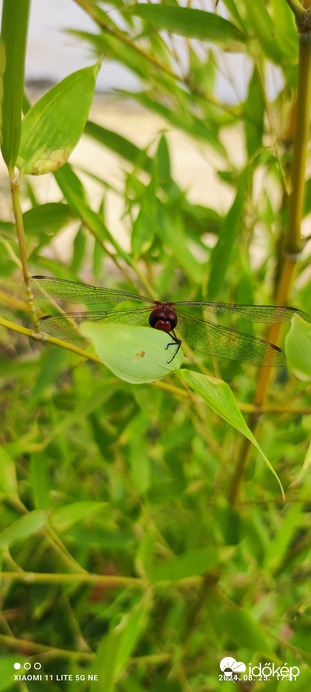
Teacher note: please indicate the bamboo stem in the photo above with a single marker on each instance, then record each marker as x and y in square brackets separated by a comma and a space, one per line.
[19, 222]
[292, 244]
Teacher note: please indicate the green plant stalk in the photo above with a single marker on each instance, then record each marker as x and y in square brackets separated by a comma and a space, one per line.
[297, 9]
[19, 222]
[300, 147]
[52, 652]
[106, 580]
[292, 242]
[51, 339]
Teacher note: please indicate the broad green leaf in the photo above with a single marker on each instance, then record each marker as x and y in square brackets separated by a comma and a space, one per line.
[64, 517]
[134, 354]
[22, 528]
[228, 232]
[12, 66]
[190, 564]
[243, 630]
[219, 397]
[298, 348]
[120, 145]
[54, 125]
[8, 483]
[205, 26]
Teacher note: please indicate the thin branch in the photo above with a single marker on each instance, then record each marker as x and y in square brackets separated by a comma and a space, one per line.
[51, 340]
[297, 8]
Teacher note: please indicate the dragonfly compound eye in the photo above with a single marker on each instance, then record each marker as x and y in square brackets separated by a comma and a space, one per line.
[155, 315]
[171, 316]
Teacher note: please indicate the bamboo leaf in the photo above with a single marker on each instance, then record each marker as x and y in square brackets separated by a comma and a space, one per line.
[12, 67]
[254, 115]
[134, 354]
[190, 563]
[298, 348]
[120, 145]
[116, 647]
[47, 219]
[219, 397]
[205, 26]
[244, 630]
[22, 528]
[8, 482]
[220, 256]
[54, 125]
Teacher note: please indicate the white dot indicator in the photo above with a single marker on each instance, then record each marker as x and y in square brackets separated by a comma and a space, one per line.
[37, 665]
[17, 665]
[27, 666]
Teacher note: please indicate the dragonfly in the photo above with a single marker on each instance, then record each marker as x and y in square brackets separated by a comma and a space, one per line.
[181, 320]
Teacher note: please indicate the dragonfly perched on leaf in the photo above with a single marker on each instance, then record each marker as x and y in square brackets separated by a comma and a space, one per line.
[181, 320]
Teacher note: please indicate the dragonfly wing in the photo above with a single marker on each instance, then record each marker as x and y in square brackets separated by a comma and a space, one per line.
[216, 340]
[73, 292]
[66, 326]
[253, 313]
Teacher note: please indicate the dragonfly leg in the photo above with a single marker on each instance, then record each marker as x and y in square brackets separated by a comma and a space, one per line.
[175, 342]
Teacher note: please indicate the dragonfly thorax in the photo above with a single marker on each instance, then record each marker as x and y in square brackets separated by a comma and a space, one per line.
[163, 318]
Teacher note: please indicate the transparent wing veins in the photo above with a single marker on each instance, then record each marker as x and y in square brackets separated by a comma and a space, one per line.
[216, 340]
[74, 292]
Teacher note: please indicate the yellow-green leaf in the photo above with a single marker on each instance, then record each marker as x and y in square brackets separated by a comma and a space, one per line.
[298, 348]
[135, 354]
[54, 125]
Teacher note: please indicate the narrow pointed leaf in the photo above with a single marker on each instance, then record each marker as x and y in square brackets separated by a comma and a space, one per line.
[8, 482]
[219, 397]
[12, 67]
[205, 26]
[22, 528]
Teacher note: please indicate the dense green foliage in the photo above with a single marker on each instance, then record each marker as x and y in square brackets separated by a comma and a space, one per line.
[131, 482]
